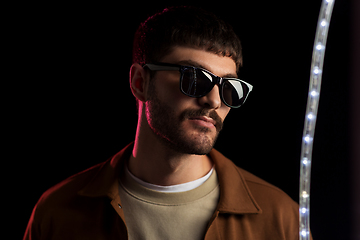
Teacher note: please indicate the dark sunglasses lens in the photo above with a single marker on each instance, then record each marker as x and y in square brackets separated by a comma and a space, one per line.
[234, 92]
[195, 82]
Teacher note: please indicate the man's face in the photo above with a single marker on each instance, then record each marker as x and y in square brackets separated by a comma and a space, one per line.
[185, 124]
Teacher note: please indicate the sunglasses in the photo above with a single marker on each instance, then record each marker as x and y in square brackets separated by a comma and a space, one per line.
[197, 82]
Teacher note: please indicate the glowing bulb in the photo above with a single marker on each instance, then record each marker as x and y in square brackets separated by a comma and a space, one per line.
[305, 162]
[303, 233]
[319, 46]
[323, 23]
[307, 138]
[310, 116]
[316, 70]
[304, 194]
[313, 93]
[303, 210]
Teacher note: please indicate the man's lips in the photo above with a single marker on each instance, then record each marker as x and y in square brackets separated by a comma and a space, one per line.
[203, 117]
[207, 121]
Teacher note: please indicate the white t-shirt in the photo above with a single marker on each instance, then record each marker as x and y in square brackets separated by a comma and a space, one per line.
[173, 188]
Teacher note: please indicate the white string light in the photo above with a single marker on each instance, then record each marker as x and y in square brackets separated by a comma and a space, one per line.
[310, 119]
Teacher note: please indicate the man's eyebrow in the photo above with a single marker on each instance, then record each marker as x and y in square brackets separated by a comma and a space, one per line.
[195, 64]
[230, 76]
[191, 63]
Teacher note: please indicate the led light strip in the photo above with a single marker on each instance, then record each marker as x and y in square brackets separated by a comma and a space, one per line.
[310, 117]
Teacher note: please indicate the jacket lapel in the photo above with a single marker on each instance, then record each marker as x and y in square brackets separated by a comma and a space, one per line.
[235, 196]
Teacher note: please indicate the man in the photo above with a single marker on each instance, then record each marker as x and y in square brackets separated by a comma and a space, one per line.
[170, 183]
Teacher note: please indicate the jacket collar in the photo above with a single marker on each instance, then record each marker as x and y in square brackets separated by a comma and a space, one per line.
[235, 196]
[105, 181]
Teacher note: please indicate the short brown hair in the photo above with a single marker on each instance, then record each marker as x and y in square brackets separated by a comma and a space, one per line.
[184, 26]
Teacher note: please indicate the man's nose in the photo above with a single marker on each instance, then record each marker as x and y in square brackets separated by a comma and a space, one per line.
[211, 100]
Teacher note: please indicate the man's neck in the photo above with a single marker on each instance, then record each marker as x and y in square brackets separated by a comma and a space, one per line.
[154, 162]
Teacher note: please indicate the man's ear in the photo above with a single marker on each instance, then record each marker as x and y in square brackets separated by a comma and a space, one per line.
[138, 81]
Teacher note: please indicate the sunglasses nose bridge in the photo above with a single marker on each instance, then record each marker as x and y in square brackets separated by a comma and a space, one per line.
[216, 81]
[212, 98]
[219, 81]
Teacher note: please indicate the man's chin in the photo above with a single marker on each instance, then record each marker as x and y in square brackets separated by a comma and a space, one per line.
[198, 143]
[194, 149]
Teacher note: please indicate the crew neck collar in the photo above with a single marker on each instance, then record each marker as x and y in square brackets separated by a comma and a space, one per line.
[172, 188]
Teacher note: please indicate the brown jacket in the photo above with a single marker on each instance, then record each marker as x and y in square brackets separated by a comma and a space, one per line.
[87, 206]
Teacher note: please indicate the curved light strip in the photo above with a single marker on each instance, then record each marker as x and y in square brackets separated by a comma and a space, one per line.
[310, 117]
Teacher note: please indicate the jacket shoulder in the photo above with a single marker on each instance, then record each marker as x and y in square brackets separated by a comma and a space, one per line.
[70, 186]
[267, 195]
[57, 202]
[63, 196]
[259, 188]
[257, 181]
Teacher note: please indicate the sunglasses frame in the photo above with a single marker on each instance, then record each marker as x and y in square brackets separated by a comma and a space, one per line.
[218, 80]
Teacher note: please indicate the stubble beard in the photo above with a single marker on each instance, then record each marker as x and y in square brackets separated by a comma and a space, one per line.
[167, 127]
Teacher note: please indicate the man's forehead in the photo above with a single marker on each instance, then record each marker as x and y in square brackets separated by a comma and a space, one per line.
[222, 66]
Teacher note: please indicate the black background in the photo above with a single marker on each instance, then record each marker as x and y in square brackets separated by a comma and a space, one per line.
[74, 107]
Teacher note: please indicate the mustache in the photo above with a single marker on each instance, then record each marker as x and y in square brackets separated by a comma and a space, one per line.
[191, 113]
